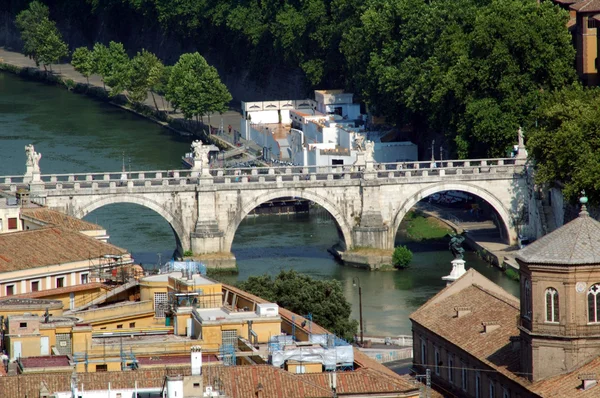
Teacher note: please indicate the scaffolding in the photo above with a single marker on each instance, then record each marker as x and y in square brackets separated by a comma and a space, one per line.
[227, 354]
[110, 268]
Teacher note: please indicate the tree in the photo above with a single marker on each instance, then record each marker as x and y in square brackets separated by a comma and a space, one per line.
[302, 294]
[160, 86]
[113, 65]
[195, 87]
[146, 71]
[402, 257]
[566, 144]
[476, 78]
[41, 39]
[83, 62]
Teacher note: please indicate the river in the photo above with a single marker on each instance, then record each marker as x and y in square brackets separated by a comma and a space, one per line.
[77, 134]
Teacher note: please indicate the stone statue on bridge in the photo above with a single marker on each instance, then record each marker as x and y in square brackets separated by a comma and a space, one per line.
[33, 158]
[359, 143]
[200, 156]
[369, 151]
[455, 246]
[32, 163]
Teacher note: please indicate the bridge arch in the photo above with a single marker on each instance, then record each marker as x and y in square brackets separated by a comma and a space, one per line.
[263, 197]
[183, 239]
[484, 194]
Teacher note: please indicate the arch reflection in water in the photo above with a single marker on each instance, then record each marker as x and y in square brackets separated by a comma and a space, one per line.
[141, 231]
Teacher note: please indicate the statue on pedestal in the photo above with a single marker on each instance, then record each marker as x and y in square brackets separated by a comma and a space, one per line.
[200, 156]
[32, 163]
[359, 143]
[369, 151]
[33, 158]
[455, 246]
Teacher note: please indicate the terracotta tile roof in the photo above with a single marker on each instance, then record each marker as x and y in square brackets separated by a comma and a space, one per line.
[438, 315]
[567, 385]
[49, 246]
[243, 382]
[577, 242]
[49, 361]
[56, 218]
[586, 6]
[363, 381]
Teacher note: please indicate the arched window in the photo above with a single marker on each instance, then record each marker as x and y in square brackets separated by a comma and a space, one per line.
[552, 305]
[594, 304]
[527, 299]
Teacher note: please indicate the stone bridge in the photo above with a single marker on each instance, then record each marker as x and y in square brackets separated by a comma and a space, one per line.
[368, 202]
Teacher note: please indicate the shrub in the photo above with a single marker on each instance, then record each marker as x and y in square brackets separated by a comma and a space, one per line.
[402, 257]
[188, 253]
[512, 274]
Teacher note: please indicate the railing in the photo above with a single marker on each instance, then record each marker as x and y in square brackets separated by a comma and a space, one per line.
[277, 174]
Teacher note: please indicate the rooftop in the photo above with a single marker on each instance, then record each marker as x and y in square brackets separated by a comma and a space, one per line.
[49, 361]
[586, 6]
[486, 302]
[22, 303]
[56, 218]
[197, 279]
[49, 246]
[575, 243]
[61, 290]
[174, 360]
[568, 385]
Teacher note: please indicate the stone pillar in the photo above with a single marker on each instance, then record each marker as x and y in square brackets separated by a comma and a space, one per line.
[207, 237]
[371, 231]
[458, 270]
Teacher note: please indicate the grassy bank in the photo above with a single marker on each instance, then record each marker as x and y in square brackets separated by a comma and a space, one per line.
[418, 227]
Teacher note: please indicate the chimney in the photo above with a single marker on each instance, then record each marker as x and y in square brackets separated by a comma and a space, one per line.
[490, 326]
[588, 380]
[462, 311]
[196, 353]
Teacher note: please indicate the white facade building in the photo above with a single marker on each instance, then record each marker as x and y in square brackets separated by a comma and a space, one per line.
[320, 132]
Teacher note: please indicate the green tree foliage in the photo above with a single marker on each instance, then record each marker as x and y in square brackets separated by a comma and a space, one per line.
[402, 257]
[146, 71]
[41, 39]
[113, 65]
[195, 87]
[566, 143]
[475, 77]
[302, 294]
[83, 62]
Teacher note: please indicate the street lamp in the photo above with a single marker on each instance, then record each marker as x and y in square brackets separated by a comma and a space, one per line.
[355, 282]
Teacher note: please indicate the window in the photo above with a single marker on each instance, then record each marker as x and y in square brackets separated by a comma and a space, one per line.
[594, 304]
[464, 376]
[12, 223]
[527, 299]
[437, 361]
[22, 324]
[84, 278]
[300, 369]
[450, 368]
[423, 352]
[120, 326]
[492, 389]
[551, 305]
[196, 385]
[477, 385]
[35, 286]
[160, 304]
[131, 324]
[102, 368]
[10, 290]
[60, 282]
[505, 393]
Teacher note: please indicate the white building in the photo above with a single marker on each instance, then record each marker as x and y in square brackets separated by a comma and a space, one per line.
[320, 132]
